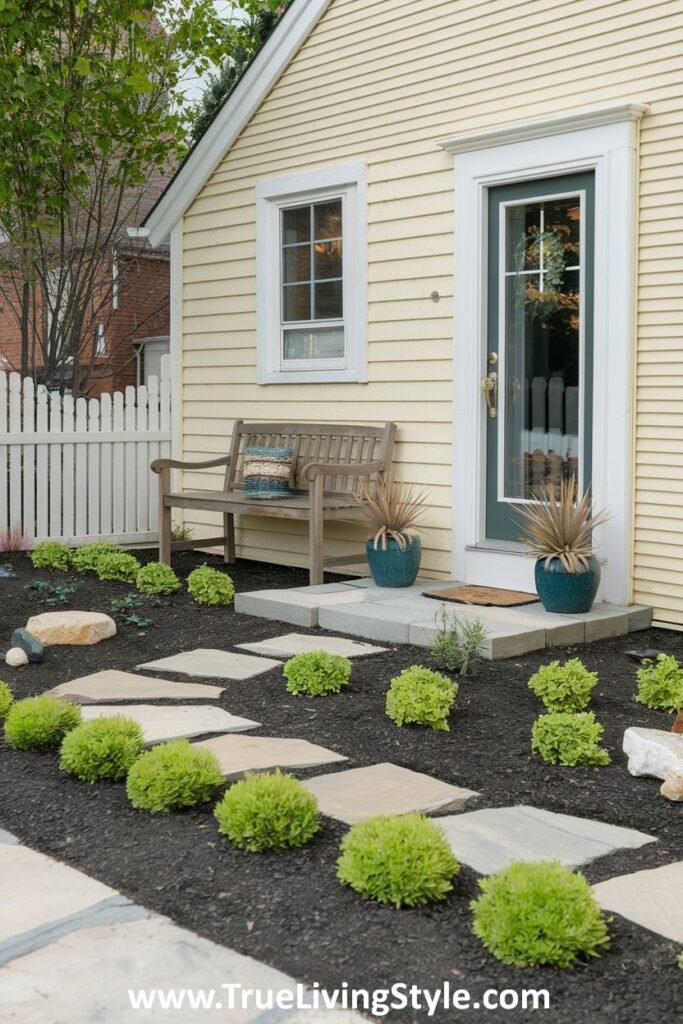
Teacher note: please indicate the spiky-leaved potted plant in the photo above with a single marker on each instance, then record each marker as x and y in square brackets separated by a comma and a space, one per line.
[392, 509]
[559, 532]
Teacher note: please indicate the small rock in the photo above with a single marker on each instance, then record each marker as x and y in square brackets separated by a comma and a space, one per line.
[672, 787]
[653, 752]
[647, 654]
[16, 657]
[71, 627]
[33, 647]
[7, 572]
[678, 723]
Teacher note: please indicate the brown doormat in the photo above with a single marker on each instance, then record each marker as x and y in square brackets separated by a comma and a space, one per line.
[489, 596]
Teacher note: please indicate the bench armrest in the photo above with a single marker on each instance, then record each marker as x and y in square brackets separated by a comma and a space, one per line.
[160, 464]
[314, 469]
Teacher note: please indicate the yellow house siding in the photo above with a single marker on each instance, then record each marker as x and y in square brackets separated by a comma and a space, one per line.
[382, 81]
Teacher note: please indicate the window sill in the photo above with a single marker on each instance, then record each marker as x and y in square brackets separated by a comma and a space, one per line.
[311, 377]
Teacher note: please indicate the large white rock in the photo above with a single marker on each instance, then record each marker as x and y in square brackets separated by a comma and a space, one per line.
[16, 656]
[71, 627]
[652, 751]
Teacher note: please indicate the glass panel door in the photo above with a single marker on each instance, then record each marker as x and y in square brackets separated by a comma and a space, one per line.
[538, 379]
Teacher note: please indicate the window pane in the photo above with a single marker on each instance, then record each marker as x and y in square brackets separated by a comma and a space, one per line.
[320, 343]
[563, 220]
[328, 219]
[328, 301]
[296, 302]
[523, 250]
[296, 263]
[328, 259]
[296, 225]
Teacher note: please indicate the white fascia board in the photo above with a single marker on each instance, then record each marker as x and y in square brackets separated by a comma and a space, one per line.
[285, 41]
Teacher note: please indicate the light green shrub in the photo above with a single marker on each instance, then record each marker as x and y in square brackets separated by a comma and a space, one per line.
[316, 673]
[419, 696]
[572, 739]
[40, 723]
[87, 557]
[171, 776]
[118, 565]
[50, 554]
[104, 748]
[405, 861]
[157, 578]
[565, 687]
[536, 914]
[210, 586]
[660, 684]
[268, 812]
[6, 700]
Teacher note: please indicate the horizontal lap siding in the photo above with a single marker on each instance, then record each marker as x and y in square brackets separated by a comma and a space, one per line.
[383, 80]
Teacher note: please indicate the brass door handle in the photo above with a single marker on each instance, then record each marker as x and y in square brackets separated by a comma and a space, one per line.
[489, 386]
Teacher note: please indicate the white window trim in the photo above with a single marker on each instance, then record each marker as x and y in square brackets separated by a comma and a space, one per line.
[604, 140]
[309, 186]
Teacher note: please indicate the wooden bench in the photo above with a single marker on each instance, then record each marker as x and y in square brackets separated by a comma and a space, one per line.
[329, 459]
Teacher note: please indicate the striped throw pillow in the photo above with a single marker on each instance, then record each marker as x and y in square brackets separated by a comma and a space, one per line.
[267, 472]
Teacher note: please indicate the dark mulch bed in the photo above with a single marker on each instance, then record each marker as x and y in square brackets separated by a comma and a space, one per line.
[289, 910]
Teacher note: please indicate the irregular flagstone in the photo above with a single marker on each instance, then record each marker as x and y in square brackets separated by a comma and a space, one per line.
[111, 685]
[361, 793]
[208, 663]
[653, 752]
[490, 839]
[71, 627]
[160, 723]
[299, 643]
[651, 898]
[239, 754]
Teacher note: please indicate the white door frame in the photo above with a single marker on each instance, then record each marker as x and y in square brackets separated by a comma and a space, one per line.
[605, 141]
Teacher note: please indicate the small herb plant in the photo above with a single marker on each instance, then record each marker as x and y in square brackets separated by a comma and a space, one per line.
[570, 739]
[268, 812]
[660, 684]
[40, 723]
[171, 776]
[537, 914]
[104, 748]
[118, 565]
[316, 673]
[52, 555]
[405, 861]
[210, 586]
[180, 532]
[157, 578]
[124, 609]
[565, 687]
[6, 700]
[459, 643]
[419, 696]
[87, 557]
[52, 595]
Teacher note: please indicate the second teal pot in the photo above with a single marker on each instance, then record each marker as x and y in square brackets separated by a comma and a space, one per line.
[394, 567]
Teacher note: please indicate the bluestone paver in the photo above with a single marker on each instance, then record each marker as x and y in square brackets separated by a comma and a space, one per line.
[298, 643]
[209, 663]
[652, 898]
[240, 754]
[112, 685]
[160, 723]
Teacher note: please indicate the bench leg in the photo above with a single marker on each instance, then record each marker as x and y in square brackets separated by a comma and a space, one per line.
[165, 527]
[229, 534]
[316, 532]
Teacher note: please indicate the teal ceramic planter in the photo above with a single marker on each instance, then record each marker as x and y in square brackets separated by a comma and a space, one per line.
[393, 567]
[564, 592]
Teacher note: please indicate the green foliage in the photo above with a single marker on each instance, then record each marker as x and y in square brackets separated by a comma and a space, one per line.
[536, 914]
[171, 776]
[50, 554]
[58, 594]
[124, 609]
[118, 566]
[565, 687]
[104, 748]
[6, 700]
[568, 738]
[419, 696]
[157, 578]
[405, 861]
[180, 532]
[268, 812]
[87, 557]
[660, 684]
[316, 673]
[210, 586]
[39, 723]
[459, 643]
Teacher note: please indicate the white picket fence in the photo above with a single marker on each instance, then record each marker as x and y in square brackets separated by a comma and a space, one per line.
[79, 470]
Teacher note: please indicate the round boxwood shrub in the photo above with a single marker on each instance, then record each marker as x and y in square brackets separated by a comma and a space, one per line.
[419, 696]
[210, 586]
[660, 684]
[533, 914]
[565, 687]
[118, 565]
[569, 739]
[104, 748]
[87, 557]
[316, 673]
[405, 861]
[40, 723]
[157, 578]
[6, 700]
[50, 554]
[171, 776]
[268, 812]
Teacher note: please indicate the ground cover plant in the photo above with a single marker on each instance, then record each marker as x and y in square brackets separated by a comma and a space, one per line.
[52, 555]
[117, 565]
[419, 696]
[268, 812]
[172, 776]
[157, 578]
[40, 723]
[565, 687]
[569, 738]
[459, 643]
[126, 609]
[210, 586]
[54, 594]
[660, 684]
[104, 748]
[316, 673]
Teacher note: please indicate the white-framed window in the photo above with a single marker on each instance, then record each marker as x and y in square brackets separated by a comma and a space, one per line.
[311, 276]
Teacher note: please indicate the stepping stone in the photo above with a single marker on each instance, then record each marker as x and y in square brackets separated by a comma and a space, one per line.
[113, 685]
[71, 627]
[361, 793]
[161, 723]
[212, 664]
[239, 754]
[298, 643]
[653, 752]
[653, 899]
[490, 839]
